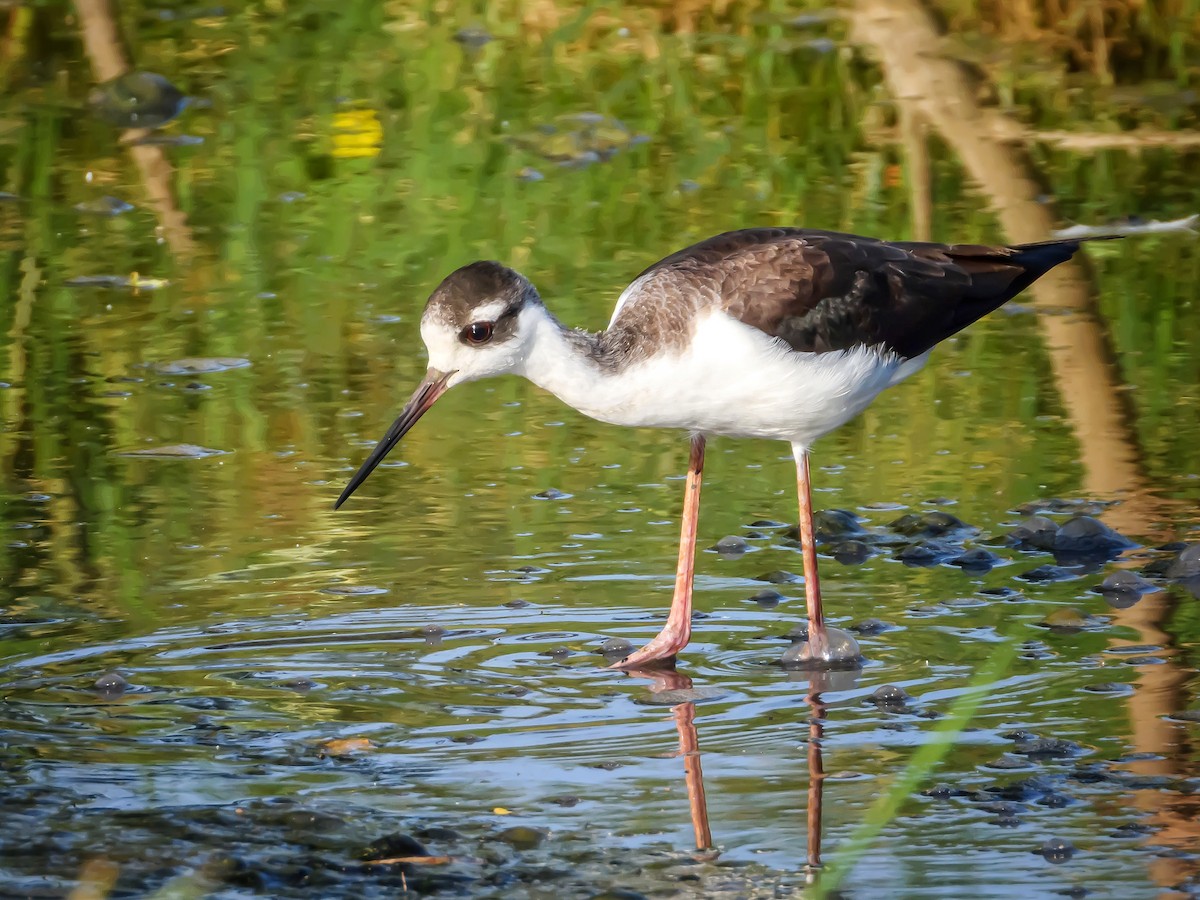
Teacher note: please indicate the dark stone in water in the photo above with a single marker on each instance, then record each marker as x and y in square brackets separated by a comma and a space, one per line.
[1068, 620]
[798, 632]
[1002, 807]
[1086, 535]
[731, 545]
[616, 647]
[766, 523]
[301, 684]
[1048, 748]
[870, 627]
[1048, 573]
[926, 553]
[137, 100]
[1035, 533]
[523, 837]
[939, 792]
[566, 801]
[557, 653]
[1008, 761]
[1187, 564]
[850, 553]
[472, 38]
[1124, 582]
[835, 524]
[1108, 687]
[1187, 715]
[618, 894]
[779, 576]
[890, 698]
[1061, 506]
[1057, 850]
[1056, 800]
[977, 560]
[930, 524]
[1019, 735]
[1005, 593]
[766, 598]
[391, 846]
[1023, 789]
[551, 494]
[111, 684]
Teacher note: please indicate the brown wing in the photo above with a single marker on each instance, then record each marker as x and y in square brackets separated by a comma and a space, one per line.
[820, 291]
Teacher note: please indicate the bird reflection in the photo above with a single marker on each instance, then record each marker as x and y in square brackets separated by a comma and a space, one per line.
[664, 683]
[667, 685]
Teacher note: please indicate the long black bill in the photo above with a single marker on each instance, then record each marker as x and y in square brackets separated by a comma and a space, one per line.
[423, 397]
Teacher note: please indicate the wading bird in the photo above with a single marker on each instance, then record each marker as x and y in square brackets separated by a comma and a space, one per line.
[779, 333]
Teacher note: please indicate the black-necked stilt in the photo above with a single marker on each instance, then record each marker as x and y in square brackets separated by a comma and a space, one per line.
[780, 333]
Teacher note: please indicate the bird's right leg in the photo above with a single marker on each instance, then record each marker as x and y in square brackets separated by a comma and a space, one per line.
[678, 630]
[818, 642]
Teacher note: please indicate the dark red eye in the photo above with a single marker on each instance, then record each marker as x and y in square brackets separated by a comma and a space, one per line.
[478, 332]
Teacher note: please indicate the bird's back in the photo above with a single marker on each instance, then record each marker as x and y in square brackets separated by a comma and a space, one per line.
[823, 291]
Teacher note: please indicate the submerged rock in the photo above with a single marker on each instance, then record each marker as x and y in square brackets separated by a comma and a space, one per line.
[1057, 850]
[977, 560]
[850, 553]
[890, 698]
[616, 647]
[111, 684]
[731, 545]
[1124, 582]
[930, 524]
[779, 576]
[926, 553]
[393, 846]
[1035, 533]
[835, 524]
[869, 627]
[1186, 565]
[137, 100]
[1086, 535]
[766, 598]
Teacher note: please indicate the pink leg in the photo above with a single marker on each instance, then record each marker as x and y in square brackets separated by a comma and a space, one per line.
[817, 640]
[678, 630]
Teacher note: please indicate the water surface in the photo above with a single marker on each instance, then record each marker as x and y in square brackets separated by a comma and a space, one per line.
[300, 683]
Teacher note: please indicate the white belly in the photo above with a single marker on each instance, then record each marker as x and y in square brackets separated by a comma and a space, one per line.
[734, 380]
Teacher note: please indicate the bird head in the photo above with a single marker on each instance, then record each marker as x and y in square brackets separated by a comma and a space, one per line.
[473, 328]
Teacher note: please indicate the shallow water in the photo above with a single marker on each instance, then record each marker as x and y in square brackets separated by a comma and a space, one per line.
[299, 683]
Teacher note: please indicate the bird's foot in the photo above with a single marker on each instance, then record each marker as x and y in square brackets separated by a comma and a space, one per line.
[659, 653]
[825, 648]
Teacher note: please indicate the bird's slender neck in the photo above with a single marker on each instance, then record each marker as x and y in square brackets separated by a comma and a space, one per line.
[571, 364]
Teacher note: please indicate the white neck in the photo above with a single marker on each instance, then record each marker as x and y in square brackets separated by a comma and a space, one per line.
[559, 360]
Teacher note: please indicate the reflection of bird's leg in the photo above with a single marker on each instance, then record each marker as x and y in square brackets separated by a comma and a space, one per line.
[816, 780]
[689, 748]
